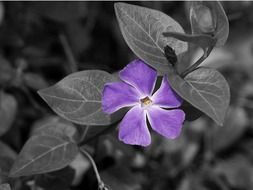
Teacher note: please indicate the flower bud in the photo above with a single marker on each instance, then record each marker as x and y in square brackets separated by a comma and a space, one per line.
[170, 55]
[202, 17]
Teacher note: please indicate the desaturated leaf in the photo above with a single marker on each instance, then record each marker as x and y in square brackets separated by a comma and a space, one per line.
[206, 89]
[42, 154]
[142, 30]
[234, 127]
[8, 109]
[209, 14]
[5, 187]
[54, 125]
[77, 97]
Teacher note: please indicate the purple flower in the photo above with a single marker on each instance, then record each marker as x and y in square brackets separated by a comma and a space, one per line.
[136, 91]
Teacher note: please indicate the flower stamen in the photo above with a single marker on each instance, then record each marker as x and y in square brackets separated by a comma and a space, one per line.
[145, 101]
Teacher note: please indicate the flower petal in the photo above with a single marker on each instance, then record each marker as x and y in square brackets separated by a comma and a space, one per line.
[165, 96]
[133, 128]
[167, 123]
[117, 95]
[139, 75]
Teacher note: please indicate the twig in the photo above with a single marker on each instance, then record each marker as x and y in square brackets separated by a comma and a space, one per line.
[101, 184]
[207, 51]
[85, 132]
[69, 53]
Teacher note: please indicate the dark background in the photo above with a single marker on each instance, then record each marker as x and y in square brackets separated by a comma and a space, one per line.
[42, 42]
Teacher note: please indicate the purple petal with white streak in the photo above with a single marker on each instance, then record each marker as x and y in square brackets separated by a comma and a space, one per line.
[133, 128]
[165, 96]
[139, 75]
[167, 123]
[117, 95]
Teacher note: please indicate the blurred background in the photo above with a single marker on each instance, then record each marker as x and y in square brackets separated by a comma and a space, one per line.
[42, 42]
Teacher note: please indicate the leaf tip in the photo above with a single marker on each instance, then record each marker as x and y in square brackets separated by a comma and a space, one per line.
[40, 92]
[117, 6]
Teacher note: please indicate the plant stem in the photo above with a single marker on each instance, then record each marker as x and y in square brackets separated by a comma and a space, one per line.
[85, 132]
[101, 184]
[207, 51]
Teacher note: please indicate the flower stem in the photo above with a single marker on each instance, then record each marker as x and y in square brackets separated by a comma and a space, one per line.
[101, 184]
[84, 133]
[206, 53]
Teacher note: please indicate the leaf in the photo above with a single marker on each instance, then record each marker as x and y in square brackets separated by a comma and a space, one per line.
[205, 89]
[77, 97]
[201, 9]
[43, 154]
[8, 109]
[142, 30]
[5, 187]
[55, 125]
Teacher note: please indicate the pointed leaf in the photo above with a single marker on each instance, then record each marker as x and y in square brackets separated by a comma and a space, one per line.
[142, 30]
[42, 154]
[77, 97]
[206, 89]
[55, 125]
